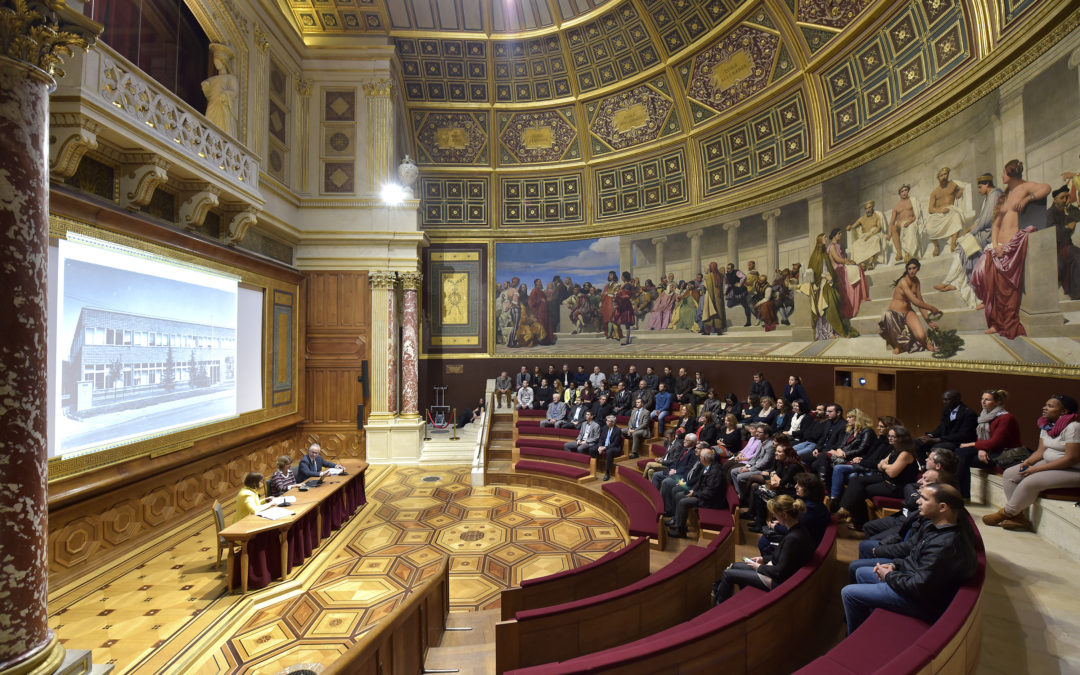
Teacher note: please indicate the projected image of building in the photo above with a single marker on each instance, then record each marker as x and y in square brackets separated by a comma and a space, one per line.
[123, 360]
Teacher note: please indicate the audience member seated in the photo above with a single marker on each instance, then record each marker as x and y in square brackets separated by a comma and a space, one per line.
[544, 395]
[730, 439]
[673, 446]
[679, 462]
[638, 427]
[761, 387]
[525, 397]
[522, 378]
[798, 415]
[941, 460]
[779, 481]
[575, 416]
[997, 431]
[811, 431]
[683, 386]
[615, 377]
[893, 472]
[581, 377]
[588, 437]
[567, 379]
[602, 408]
[312, 465]
[896, 542]
[834, 466]
[283, 478]
[622, 400]
[470, 415]
[749, 410]
[556, 412]
[766, 413]
[743, 477]
[645, 395]
[633, 378]
[610, 447]
[688, 423]
[703, 488]
[810, 489]
[668, 378]
[731, 405]
[652, 382]
[248, 501]
[707, 431]
[793, 390]
[712, 404]
[783, 416]
[747, 454]
[663, 406]
[502, 390]
[586, 394]
[1055, 464]
[795, 549]
[700, 389]
[957, 425]
[923, 583]
[597, 378]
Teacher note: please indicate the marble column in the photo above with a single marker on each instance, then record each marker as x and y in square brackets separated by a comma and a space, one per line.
[410, 344]
[732, 229]
[626, 254]
[1011, 144]
[772, 248]
[26, 79]
[695, 252]
[383, 345]
[380, 135]
[659, 242]
[302, 134]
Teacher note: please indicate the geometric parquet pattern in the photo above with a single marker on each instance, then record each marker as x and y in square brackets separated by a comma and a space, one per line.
[166, 609]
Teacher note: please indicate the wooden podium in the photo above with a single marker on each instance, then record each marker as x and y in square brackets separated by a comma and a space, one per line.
[911, 396]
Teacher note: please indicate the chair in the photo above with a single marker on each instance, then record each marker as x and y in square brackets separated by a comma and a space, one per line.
[219, 525]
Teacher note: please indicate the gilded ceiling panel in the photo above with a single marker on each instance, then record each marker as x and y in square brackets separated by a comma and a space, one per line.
[632, 117]
[554, 199]
[538, 136]
[454, 201]
[444, 70]
[641, 186]
[831, 13]
[611, 48]
[919, 45]
[530, 70]
[1012, 9]
[680, 22]
[447, 137]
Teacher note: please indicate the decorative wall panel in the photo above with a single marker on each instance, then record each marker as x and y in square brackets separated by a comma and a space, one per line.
[641, 186]
[613, 47]
[757, 147]
[633, 117]
[530, 70]
[455, 200]
[455, 298]
[919, 45]
[444, 70]
[541, 200]
[281, 348]
[538, 136]
[446, 137]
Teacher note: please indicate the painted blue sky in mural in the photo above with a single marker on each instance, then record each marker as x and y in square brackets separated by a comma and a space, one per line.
[582, 259]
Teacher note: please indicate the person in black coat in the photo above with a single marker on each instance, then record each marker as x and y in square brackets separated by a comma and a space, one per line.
[958, 425]
[765, 572]
[793, 391]
[761, 386]
[704, 487]
[610, 447]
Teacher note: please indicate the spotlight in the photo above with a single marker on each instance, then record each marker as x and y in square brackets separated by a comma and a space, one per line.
[862, 381]
[392, 194]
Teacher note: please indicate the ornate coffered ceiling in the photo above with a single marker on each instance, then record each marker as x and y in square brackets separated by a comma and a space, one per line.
[619, 107]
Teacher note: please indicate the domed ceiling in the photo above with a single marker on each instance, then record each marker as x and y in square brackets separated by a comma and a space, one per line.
[563, 113]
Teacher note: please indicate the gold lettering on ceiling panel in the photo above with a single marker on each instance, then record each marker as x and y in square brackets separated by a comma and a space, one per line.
[732, 70]
[537, 138]
[455, 298]
[630, 118]
[451, 138]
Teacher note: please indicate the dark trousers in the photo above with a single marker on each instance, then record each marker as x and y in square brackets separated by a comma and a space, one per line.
[739, 574]
[683, 504]
[969, 457]
[859, 489]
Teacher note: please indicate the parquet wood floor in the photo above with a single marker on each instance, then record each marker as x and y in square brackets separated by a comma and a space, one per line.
[164, 608]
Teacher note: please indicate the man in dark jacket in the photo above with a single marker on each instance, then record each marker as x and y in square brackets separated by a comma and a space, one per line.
[958, 423]
[761, 387]
[677, 463]
[923, 583]
[704, 488]
[611, 442]
[810, 433]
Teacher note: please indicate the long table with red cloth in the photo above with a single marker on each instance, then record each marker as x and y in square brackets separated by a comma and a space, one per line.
[270, 549]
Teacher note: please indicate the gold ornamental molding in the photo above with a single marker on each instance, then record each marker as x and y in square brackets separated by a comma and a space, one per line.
[383, 279]
[411, 281]
[380, 87]
[42, 33]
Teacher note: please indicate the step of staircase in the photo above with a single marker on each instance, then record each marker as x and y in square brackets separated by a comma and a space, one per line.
[469, 651]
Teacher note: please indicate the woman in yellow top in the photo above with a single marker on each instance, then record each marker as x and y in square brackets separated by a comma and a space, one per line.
[248, 501]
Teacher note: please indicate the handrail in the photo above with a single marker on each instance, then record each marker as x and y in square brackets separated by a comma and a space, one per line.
[399, 643]
[480, 454]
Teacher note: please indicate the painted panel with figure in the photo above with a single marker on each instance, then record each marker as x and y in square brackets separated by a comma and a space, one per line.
[957, 248]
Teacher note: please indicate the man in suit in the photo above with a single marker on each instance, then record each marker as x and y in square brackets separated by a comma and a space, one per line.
[679, 464]
[556, 412]
[704, 488]
[611, 438]
[622, 400]
[523, 377]
[602, 407]
[587, 439]
[645, 395]
[958, 424]
[575, 416]
[312, 464]
[638, 429]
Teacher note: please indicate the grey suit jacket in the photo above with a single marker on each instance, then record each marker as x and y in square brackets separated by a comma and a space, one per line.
[639, 419]
[590, 433]
[556, 411]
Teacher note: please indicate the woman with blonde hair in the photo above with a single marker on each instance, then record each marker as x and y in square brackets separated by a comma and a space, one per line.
[834, 466]
[765, 572]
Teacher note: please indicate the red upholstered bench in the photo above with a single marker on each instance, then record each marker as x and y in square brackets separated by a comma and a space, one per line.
[560, 470]
[536, 430]
[550, 443]
[642, 485]
[711, 521]
[560, 456]
[656, 450]
[879, 507]
[644, 518]
[530, 412]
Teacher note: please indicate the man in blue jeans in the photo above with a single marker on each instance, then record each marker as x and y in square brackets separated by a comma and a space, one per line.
[923, 583]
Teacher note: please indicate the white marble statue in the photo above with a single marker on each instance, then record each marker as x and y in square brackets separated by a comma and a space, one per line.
[221, 91]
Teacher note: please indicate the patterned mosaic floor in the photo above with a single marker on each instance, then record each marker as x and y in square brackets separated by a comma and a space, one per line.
[165, 610]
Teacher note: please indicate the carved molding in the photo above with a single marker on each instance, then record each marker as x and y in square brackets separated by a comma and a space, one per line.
[694, 234]
[261, 41]
[411, 281]
[71, 137]
[41, 34]
[303, 87]
[380, 87]
[139, 179]
[770, 215]
[383, 279]
[197, 204]
[732, 225]
[239, 224]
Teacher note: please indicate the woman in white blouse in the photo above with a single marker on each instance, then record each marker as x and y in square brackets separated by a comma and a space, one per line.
[1056, 464]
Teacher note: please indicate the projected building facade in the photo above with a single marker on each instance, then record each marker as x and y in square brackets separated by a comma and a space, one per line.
[133, 357]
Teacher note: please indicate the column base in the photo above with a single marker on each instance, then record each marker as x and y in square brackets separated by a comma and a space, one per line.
[45, 660]
[394, 440]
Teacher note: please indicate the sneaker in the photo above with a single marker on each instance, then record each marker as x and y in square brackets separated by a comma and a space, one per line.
[1018, 523]
[996, 518]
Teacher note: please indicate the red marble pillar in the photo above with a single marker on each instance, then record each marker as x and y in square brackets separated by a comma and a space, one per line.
[410, 347]
[391, 351]
[26, 79]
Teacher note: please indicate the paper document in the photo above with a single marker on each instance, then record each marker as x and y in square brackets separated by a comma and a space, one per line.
[276, 513]
[334, 472]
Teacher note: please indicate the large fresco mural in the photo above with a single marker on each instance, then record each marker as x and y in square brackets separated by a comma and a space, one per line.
[957, 247]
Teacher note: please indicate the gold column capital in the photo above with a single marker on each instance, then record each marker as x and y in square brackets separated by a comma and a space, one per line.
[40, 33]
[261, 40]
[410, 281]
[303, 87]
[383, 279]
[380, 87]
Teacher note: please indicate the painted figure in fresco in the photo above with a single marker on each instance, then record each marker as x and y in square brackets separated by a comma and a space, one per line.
[664, 306]
[530, 332]
[784, 296]
[607, 306]
[867, 239]
[1072, 181]
[825, 305]
[538, 305]
[945, 219]
[736, 293]
[686, 303]
[905, 224]
[765, 305]
[900, 327]
[1063, 218]
[712, 301]
[850, 278]
[972, 242]
[999, 281]
[643, 298]
[623, 314]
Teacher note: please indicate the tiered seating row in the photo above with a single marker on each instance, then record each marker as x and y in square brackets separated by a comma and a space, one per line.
[642, 504]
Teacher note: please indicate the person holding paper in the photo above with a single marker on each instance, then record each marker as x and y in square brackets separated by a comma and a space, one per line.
[248, 501]
[312, 465]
